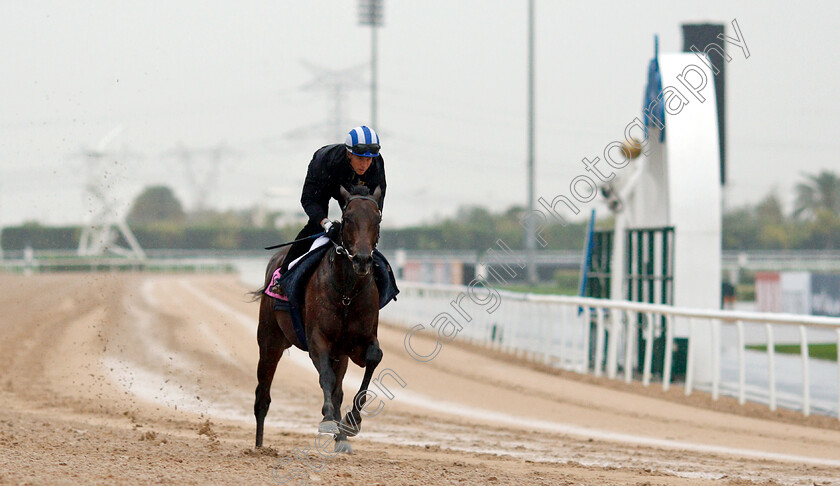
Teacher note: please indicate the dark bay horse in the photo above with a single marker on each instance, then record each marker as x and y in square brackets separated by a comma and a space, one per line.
[340, 315]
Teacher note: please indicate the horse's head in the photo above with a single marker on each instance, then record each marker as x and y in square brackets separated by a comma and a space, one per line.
[360, 218]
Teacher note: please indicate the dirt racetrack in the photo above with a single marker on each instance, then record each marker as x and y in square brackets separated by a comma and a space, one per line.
[143, 378]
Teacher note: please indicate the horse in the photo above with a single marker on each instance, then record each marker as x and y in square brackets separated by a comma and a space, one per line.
[340, 315]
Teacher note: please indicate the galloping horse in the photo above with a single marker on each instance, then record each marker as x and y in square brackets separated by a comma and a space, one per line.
[340, 315]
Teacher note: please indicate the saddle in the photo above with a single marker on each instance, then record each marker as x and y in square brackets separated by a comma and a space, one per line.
[293, 283]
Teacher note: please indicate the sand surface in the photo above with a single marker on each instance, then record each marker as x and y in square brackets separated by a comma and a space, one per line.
[149, 379]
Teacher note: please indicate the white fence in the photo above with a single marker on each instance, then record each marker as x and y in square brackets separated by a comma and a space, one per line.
[580, 334]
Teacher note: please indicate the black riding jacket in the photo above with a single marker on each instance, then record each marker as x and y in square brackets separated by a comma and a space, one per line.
[330, 168]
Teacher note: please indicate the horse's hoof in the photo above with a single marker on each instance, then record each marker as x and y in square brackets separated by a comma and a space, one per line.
[343, 447]
[349, 431]
[328, 427]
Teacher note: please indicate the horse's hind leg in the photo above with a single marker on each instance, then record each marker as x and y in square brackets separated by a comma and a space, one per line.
[272, 342]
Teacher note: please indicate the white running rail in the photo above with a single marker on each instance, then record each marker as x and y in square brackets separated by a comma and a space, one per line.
[555, 330]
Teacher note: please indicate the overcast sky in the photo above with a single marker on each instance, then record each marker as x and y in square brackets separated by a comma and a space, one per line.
[452, 117]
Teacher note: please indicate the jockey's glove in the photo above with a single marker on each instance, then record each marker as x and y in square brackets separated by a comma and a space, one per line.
[333, 229]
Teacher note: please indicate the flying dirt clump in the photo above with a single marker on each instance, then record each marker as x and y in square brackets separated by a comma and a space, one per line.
[149, 435]
[207, 429]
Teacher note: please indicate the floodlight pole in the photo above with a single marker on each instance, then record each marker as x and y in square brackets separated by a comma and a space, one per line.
[371, 13]
[373, 75]
[530, 236]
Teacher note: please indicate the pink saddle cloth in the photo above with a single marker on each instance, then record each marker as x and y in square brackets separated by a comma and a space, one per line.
[273, 289]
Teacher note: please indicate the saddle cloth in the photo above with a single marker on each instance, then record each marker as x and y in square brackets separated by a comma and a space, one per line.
[274, 285]
[294, 281]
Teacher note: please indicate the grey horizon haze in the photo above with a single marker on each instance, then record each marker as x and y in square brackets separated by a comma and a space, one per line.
[452, 96]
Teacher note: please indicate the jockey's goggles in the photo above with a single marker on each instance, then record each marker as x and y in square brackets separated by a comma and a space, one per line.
[365, 149]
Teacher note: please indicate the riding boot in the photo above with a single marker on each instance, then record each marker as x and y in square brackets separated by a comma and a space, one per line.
[291, 255]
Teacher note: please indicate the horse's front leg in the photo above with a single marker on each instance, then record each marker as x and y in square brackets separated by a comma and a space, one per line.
[351, 423]
[340, 368]
[320, 355]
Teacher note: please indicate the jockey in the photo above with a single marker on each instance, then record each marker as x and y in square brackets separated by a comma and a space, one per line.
[356, 162]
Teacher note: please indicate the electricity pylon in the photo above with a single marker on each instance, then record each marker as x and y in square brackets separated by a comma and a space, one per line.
[100, 234]
[336, 83]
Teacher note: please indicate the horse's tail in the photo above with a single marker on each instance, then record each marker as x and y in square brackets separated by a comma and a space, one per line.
[256, 295]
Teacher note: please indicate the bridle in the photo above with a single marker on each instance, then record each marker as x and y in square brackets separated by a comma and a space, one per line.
[340, 248]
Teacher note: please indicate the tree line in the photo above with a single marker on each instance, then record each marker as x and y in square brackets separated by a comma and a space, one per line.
[158, 220]
[813, 223]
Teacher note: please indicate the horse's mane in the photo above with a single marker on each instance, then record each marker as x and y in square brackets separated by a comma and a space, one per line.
[359, 191]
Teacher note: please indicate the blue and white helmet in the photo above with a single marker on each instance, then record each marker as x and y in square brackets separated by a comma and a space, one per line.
[362, 141]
